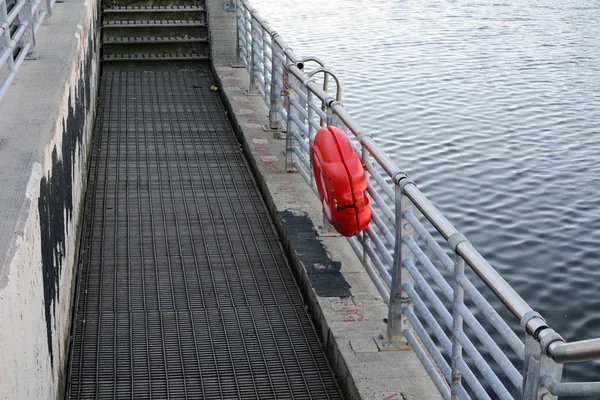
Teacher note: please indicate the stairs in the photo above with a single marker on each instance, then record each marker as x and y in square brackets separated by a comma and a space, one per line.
[154, 30]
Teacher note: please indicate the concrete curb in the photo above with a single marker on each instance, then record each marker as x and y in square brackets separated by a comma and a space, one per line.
[348, 324]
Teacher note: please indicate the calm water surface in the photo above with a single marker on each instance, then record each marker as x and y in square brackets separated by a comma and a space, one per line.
[493, 108]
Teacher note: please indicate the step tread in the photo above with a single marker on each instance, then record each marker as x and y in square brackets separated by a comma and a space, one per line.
[153, 39]
[124, 9]
[152, 23]
[155, 57]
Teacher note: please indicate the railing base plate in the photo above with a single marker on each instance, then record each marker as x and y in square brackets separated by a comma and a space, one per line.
[383, 345]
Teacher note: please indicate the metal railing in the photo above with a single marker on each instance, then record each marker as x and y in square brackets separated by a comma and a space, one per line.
[431, 277]
[19, 23]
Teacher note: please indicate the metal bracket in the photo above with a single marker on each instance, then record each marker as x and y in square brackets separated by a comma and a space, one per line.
[384, 345]
[235, 65]
[284, 93]
[247, 93]
[32, 55]
[229, 7]
[277, 132]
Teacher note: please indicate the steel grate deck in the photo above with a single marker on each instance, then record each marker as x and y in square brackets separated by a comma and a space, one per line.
[184, 290]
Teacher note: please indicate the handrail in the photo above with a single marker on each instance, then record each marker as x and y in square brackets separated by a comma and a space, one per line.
[402, 248]
[18, 29]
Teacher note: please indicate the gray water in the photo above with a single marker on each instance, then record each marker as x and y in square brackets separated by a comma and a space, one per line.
[493, 108]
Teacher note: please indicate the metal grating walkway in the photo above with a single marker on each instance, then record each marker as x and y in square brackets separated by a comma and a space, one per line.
[184, 290]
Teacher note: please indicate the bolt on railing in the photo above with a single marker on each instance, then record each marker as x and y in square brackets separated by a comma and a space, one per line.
[431, 277]
[20, 21]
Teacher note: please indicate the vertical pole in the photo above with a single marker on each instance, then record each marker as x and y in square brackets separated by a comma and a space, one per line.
[548, 368]
[238, 22]
[275, 62]
[26, 15]
[5, 36]
[538, 365]
[397, 323]
[263, 64]
[364, 159]
[310, 135]
[291, 125]
[253, 65]
[457, 326]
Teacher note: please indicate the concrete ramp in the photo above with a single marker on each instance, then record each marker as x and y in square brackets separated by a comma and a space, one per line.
[184, 290]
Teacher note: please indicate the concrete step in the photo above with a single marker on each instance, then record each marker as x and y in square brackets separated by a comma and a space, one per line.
[155, 57]
[155, 45]
[160, 23]
[154, 39]
[154, 28]
[137, 3]
[154, 13]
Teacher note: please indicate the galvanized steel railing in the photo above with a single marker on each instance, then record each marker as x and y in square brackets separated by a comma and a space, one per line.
[19, 23]
[419, 262]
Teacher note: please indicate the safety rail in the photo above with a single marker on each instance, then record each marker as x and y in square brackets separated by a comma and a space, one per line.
[19, 23]
[419, 262]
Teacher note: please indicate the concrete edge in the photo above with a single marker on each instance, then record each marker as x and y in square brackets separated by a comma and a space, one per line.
[348, 325]
[297, 266]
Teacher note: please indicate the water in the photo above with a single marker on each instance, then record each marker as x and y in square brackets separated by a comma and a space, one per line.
[493, 108]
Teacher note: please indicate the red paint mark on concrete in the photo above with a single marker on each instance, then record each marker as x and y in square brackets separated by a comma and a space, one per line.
[352, 316]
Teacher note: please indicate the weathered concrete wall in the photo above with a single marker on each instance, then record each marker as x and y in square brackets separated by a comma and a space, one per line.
[46, 121]
[223, 39]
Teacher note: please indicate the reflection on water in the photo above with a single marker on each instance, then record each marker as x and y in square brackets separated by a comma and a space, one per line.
[493, 108]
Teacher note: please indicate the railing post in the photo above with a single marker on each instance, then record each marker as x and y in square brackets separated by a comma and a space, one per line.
[238, 62]
[275, 62]
[252, 89]
[538, 365]
[399, 299]
[457, 325]
[310, 136]
[5, 35]
[29, 36]
[291, 125]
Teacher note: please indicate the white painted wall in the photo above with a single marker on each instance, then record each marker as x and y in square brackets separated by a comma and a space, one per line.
[25, 368]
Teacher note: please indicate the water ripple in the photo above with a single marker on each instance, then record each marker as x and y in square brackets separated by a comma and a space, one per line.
[493, 107]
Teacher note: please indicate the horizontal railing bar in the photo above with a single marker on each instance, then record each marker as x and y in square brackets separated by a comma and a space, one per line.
[383, 229]
[438, 279]
[429, 367]
[12, 15]
[428, 317]
[430, 346]
[383, 291]
[380, 246]
[584, 350]
[501, 359]
[430, 241]
[483, 366]
[385, 209]
[482, 268]
[387, 189]
[305, 162]
[476, 387]
[429, 293]
[381, 269]
[575, 389]
[483, 336]
[443, 338]
[439, 332]
[493, 317]
[302, 172]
